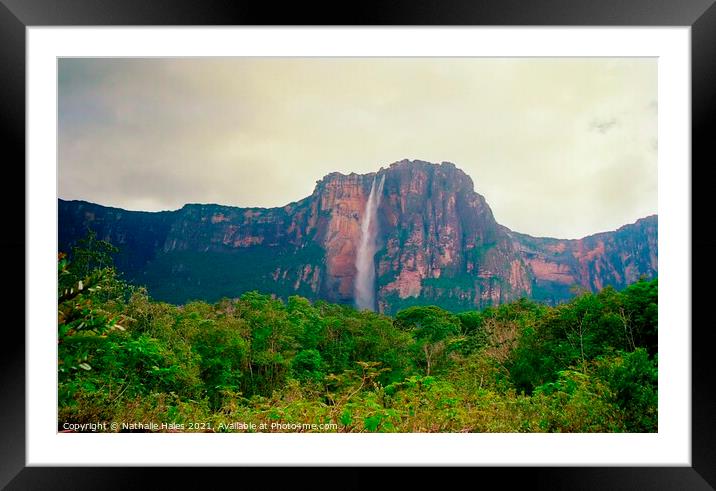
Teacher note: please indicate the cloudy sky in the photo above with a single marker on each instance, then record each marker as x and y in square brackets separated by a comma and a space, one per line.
[558, 147]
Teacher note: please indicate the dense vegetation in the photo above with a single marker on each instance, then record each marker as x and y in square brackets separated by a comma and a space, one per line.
[589, 365]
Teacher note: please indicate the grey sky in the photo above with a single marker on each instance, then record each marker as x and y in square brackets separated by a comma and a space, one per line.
[558, 147]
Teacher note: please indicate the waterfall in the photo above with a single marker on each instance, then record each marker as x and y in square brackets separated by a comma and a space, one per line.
[365, 276]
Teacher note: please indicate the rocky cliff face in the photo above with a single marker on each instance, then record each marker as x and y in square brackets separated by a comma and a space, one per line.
[616, 258]
[441, 243]
[438, 243]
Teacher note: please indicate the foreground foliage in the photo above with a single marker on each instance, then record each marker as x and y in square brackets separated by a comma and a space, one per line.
[589, 365]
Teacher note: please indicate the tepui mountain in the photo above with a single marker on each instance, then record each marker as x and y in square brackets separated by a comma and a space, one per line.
[434, 240]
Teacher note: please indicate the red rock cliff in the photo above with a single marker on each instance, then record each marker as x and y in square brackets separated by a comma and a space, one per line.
[437, 243]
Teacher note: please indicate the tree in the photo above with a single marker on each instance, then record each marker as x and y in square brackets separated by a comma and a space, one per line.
[89, 254]
[432, 328]
[307, 364]
[633, 379]
[85, 324]
[223, 355]
[641, 307]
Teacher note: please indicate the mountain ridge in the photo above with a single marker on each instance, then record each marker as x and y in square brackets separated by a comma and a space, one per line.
[219, 205]
[438, 242]
[549, 237]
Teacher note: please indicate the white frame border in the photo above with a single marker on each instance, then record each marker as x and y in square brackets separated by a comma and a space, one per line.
[670, 446]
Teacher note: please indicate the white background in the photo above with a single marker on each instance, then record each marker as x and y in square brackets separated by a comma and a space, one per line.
[670, 446]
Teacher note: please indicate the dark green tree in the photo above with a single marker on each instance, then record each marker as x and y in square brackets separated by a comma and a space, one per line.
[432, 328]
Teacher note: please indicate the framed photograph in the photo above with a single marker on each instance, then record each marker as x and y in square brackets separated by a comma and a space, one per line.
[430, 239]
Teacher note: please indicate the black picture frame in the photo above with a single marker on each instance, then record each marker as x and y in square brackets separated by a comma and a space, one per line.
[16, 15]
